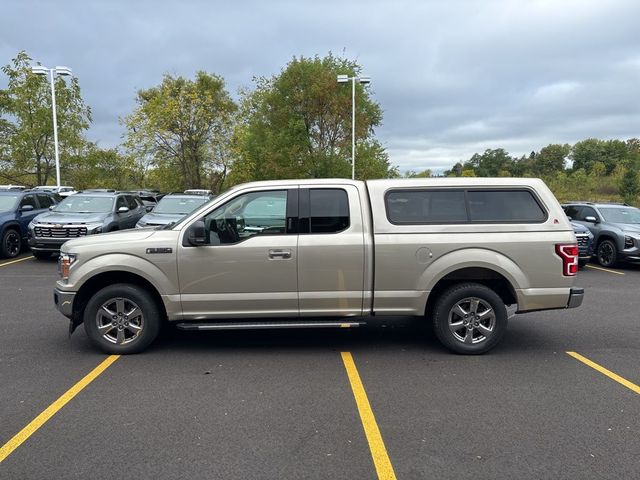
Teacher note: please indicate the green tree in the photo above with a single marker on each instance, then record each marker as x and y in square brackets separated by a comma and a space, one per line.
[423, 174]
[628, 186]
[26, 124]
[297, 124]
[184, 127]
[550, 159]
[490, 163]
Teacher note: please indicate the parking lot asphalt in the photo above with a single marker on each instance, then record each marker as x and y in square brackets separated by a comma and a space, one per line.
[279, 404]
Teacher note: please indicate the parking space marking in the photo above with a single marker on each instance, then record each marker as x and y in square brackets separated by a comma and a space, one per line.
[613, 376]
[16, 261]
[371, 430]
[52, 409]
[604, 269]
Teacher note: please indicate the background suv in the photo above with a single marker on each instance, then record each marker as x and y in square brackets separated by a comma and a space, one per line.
[615, 226]
[17, 209]
[84, 213]
[585, 243]
[172, 208]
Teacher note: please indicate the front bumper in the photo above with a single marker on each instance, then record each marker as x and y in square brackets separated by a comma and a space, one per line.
[575, 297]
[64, 302]
[46, 244]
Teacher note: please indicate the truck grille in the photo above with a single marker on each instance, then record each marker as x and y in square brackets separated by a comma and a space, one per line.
[60, 232]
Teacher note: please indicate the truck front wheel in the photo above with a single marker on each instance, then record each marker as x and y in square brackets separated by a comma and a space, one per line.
[469, 318]
[122, 319]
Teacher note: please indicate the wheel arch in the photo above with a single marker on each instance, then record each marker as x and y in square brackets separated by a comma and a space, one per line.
[482, 275]
[103, 279]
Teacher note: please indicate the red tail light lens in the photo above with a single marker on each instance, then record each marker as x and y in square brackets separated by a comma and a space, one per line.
[569, 255]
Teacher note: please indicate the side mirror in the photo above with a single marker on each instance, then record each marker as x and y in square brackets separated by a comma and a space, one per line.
[26, 208]
[149, 208]
[123, 209]
[52, 207]
[590, 219]
[196, 234]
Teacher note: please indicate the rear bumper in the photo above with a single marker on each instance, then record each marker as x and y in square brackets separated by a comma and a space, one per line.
[575, 297]
[536, 299]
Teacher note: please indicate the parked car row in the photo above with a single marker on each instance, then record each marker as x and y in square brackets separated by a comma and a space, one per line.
[43, 218]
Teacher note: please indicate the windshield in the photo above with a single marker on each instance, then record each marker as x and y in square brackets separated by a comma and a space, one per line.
[620, 214]
[7, 202]
[176, 205]
[85, 204]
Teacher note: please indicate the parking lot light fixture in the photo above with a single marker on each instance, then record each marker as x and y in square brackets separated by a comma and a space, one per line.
[52, 73]
[365, 80]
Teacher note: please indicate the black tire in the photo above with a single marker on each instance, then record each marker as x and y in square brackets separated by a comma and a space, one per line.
[489, 321]
[582, 262]
[147, 323]
[607, 253]
[10, 243]
[41, 255]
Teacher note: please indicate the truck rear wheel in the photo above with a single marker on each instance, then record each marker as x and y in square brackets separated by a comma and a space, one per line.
[122, 319]
[469, 318]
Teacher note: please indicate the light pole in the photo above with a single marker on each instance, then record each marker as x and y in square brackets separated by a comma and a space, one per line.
[360, 79]
[52, 73]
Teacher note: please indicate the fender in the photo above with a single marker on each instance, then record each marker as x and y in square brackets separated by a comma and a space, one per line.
[120, 262]
[471, 257]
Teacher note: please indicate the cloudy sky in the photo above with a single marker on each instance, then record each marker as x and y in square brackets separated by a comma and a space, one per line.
[453, 77]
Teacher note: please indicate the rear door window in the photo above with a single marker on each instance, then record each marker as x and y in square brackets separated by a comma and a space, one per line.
[45, 201]
[328, 210]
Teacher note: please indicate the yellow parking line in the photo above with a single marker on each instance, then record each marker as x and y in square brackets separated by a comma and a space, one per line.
[613, 376]
[371, 430]
[604, 269]
[52, 409]
[16, 261]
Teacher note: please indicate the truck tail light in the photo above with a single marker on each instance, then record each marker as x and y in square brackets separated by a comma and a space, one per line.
[569, 255]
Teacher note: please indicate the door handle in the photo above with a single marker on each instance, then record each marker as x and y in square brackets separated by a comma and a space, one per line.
[279, 253]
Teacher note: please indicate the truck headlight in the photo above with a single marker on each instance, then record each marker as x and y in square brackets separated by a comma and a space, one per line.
[65, 260]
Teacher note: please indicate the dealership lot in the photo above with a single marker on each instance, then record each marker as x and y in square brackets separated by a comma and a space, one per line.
[281, 404]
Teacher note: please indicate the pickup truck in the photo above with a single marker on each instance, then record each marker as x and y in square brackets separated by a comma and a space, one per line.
[330, 253]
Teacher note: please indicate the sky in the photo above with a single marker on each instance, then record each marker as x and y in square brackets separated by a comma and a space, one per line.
[453, 77]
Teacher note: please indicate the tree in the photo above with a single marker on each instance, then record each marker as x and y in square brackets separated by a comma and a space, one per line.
[297, 124]
[551, 159]
[490, 163]
[26, 124]
[423, 174]
[184, 128]
[628, 186]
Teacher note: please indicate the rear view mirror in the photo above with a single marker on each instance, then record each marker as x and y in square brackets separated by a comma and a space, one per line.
[196, 234]
[590, 219]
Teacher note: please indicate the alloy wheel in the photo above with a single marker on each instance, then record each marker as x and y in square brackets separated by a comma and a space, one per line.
[120, 320]
[472, 320]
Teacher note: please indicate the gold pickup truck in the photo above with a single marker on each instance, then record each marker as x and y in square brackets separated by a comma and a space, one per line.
[330, 253]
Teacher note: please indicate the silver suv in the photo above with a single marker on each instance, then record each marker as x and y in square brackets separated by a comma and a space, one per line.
[615, 226]
[82, 214]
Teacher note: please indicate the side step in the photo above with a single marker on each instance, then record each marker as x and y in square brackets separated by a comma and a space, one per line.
[264, 325]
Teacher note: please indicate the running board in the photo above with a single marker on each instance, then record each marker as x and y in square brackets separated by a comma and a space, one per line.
[264, 325]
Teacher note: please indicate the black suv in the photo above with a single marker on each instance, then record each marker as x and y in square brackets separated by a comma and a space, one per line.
[615, 226]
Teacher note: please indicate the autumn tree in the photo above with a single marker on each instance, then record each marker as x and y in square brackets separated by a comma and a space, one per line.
[26, 124]
[297, 124]
[183, 127]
